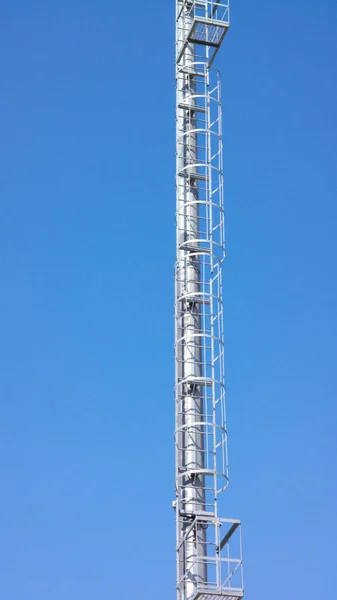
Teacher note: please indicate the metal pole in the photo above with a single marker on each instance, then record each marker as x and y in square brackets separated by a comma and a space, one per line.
[190, 360]
[201, 437]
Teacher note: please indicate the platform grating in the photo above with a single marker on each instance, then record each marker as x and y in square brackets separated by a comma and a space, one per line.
[207, 34]
[211, 596]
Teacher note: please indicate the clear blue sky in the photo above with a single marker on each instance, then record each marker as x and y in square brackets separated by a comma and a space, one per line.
[86, 306]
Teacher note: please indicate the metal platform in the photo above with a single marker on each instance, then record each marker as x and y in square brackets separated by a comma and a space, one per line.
[207, 33]
[211, 595]
[222, 561]
[204, 23]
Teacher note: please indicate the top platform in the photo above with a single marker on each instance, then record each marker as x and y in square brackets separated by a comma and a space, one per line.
[203, 22]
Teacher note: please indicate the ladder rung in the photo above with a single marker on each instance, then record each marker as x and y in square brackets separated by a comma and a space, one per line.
[189, 71]
[192, 107]
[202, 381]
[191, 175]
[190, 248]
[195, 299]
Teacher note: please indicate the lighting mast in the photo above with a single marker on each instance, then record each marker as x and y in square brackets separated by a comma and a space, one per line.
[209, 557]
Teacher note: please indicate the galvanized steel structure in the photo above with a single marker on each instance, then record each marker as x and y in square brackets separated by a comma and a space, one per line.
[209, 561]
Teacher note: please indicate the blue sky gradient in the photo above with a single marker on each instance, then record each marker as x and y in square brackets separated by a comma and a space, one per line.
[87, 204]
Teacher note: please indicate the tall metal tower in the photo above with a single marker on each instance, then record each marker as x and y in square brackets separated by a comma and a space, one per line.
[209, 560]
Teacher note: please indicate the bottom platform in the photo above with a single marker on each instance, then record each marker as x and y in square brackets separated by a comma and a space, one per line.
[228, 594]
